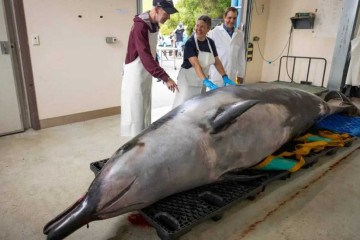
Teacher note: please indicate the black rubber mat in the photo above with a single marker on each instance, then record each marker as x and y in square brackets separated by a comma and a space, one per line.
[178, 213]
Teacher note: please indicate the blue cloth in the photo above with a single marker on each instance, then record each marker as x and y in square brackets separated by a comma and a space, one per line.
[190, 50]
[227, 80]
[209, 84]
[341, 124]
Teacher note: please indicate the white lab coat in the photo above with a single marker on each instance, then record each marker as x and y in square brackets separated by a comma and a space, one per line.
[136, 94]
[353, 76]
[231, 51]
[189, 83]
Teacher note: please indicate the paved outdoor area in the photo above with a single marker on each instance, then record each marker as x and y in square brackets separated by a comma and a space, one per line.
[162, 98]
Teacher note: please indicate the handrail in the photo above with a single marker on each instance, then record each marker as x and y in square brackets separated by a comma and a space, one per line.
[307, 75]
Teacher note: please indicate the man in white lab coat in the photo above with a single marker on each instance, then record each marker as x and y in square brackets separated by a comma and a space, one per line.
[352, 84]
[230, 46]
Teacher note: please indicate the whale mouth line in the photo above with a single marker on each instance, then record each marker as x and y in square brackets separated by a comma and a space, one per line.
[106, 214]
[115, 199]
[58, 218]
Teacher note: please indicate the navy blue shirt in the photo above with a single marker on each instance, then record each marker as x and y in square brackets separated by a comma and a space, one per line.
[179, 33]
[230, 32]
[190, 50]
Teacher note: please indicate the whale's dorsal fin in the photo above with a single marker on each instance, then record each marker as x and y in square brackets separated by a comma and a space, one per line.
[227, 114]
[339, 103]
[336, 95]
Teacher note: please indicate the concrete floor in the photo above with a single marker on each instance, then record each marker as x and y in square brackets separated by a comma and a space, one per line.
[43, 172]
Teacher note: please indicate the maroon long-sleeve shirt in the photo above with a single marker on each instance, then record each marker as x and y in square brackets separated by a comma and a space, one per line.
[138, 45]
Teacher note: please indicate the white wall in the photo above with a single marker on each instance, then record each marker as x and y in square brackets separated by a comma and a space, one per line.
[259, 24]
[74, 69]
[273, 27]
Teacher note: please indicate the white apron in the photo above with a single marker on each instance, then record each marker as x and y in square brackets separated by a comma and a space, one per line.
[353, 75]
[188, 82]
[136, 94]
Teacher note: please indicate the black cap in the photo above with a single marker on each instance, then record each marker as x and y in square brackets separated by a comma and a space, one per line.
[167, 5]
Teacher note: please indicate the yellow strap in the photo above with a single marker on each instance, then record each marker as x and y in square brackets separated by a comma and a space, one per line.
[338, 140]
[299, 157]
[303, 149]
[334, 136]
[265, 162]
[298, 165]
[304, 138]
[326, 134]
[269, 158]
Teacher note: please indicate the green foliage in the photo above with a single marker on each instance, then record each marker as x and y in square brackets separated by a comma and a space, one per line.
[146, 5]
[190, 10]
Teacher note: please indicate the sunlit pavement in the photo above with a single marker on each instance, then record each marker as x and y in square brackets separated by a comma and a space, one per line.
[162, 98]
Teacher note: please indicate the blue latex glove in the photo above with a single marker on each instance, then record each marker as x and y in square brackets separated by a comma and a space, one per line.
[209, 84]
[227, 81]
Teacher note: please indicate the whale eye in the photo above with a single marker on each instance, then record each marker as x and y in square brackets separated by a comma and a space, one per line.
[128, 146]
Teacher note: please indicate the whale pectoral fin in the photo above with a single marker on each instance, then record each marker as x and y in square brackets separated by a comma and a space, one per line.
[336, 95]
[226, 115]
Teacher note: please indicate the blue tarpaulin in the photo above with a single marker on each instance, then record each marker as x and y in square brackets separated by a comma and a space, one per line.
[341, 124]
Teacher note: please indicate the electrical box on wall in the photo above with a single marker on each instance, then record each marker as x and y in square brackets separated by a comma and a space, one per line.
[303, 20]
[111, 40]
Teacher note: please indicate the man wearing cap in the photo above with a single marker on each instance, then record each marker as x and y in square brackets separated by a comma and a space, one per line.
[140, 66]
